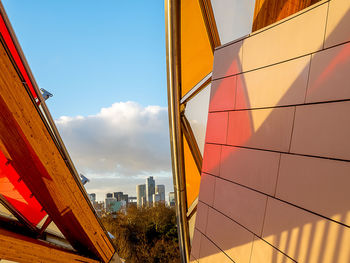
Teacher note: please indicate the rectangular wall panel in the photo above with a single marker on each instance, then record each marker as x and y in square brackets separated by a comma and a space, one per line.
[268, 129]
[322, 130]
[277, 85]
[240, 204]
[299, 36]
[237, 246]
[252, 168]
[316, 184]
[329, 75]
[338, 30]
[228, 60]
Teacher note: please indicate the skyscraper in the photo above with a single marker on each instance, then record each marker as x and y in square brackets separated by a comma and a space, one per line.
[150, 189]
[118, 195]
[171, 199]
[140, 193]
[160, 189]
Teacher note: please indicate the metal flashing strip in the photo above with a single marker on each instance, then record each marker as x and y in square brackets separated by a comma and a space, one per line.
[192, 208]
[173, 55]
[199, 86]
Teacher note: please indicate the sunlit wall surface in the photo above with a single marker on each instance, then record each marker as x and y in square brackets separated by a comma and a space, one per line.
[276, 164]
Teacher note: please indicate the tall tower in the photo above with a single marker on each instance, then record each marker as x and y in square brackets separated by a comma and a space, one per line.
[150, 189]
[141, 194]
[160, 189]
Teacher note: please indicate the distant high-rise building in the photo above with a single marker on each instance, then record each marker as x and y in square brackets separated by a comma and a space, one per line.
[150, 189]
[160, 189]
[92, 197]
[171, 199]
[140, 193]
[125, 197]
[156, 199]
[109, 195]
[118, 195]
[143, 201]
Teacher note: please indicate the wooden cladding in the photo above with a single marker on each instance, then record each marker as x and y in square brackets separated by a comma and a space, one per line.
[38, 162]
[24, 249]
[268, 12]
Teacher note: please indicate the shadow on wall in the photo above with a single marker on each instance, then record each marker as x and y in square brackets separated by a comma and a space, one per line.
[259, 201]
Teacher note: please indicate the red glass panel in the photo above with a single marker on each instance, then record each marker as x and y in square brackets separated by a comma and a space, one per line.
[16, 193]
[12, 48]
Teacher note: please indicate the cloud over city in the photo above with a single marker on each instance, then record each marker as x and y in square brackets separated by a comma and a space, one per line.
[119, 146]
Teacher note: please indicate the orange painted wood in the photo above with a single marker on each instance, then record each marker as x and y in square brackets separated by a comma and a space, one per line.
[268, 12]
[24, 249]
[39, 163]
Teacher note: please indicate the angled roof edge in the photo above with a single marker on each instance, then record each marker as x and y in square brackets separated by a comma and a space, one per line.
[47, 118]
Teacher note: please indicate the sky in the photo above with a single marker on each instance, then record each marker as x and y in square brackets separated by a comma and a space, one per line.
[105, 65]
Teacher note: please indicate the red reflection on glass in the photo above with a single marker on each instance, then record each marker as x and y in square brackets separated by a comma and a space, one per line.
[10, 45]
[16, 193]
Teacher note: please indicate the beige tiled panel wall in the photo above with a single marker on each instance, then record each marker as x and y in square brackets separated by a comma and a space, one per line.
[209, 253]
[316, 184]
[253, 168]
[193, 259]
[211, 159]
[296, 37]
[268, 129]
[273, 161]
[322, 130]
[207, 188]
[191, 224]
[240, 204]
[263, 252]
[277, 85]
[195, 249]
[338, 30]
[304, 236]
[230, 237]
[228, 60]
[202, 215]
[329, 74]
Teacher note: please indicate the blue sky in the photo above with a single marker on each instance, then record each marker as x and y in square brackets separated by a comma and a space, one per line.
[90, 54]
[105, 64]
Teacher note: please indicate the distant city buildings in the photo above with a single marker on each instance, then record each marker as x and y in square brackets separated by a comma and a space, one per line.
[160, 189]
[150, 189]
[132, 200]
[150, 193]
[92, 197]
[141, 194]
[171, 199]
[156, 199]
[146, 195]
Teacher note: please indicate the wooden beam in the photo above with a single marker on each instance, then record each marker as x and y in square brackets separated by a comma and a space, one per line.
[24, 249]
[39, 163]
[210, 23]
[267, 12]
[192, 143]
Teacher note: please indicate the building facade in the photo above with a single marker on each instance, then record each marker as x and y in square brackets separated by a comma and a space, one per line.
[160, 189]
[150, 189]
[140, 194]
[258, 108]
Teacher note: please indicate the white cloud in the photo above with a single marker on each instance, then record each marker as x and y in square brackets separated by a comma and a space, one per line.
[120, 146]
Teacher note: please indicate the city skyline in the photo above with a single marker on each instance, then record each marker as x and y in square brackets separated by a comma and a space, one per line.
[131, 190]
[97, 117]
